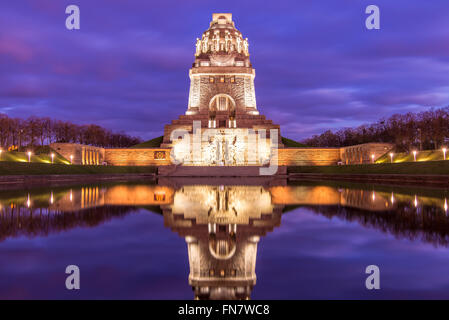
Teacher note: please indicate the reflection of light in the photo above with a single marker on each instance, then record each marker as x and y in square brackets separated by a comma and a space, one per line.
[414, 155]
[444, 153]
[71, 195]
[374, 196]
[51, 198]
[392, 198]
[391, 156]
[52, 157]
[445, 205]
[29, 156]
[28, 201]
[416, 201]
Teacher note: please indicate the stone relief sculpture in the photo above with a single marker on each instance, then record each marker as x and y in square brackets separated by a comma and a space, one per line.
[198, 47]
[239, 41]
[245, 46]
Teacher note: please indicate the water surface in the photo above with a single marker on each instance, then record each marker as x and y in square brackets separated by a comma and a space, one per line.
[188, 239]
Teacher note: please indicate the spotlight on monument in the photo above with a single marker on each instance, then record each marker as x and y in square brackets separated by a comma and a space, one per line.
[444, 153]
[414, 154]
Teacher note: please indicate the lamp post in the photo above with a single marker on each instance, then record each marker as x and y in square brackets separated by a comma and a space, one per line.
[29, 156]
[52, 157]
[444, 153]
[391, 157]
[414, 155]
[71, 159]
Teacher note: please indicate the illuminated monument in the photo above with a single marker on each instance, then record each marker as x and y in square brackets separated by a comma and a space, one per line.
[222, 102]
[221, 131]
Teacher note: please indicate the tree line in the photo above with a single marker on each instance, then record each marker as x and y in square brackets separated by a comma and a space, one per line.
[16, 134]
[422, 130]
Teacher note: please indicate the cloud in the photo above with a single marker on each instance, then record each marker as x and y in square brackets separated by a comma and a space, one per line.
[317, 66]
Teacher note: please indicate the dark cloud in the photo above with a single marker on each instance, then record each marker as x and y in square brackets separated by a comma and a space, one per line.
[317, 66]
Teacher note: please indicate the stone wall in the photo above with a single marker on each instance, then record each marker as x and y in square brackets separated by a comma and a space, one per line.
[137, 157]
[308, 156]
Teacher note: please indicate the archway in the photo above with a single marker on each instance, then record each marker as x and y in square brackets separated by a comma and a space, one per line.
[222, 102]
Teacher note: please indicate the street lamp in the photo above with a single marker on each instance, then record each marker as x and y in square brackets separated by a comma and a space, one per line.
[444, 153]
[52, 157]
[29, 156]
[391, 157]
[414, 154]
[71, 159]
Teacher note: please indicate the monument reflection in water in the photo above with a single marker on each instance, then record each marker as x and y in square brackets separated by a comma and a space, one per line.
[222, 224]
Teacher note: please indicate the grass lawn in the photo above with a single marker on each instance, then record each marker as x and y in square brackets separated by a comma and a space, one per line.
[289, 143]
[424, 155]
[429, 167]
[34, 168]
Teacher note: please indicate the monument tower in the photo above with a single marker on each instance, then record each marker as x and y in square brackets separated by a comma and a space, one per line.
[222, 97]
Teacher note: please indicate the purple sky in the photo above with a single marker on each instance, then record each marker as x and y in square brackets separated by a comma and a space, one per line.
[317, 66]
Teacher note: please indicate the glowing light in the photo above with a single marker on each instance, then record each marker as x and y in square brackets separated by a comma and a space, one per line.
[52, 157]
[374, 196]
[414, 155]
[444, 153]
[29, 156]
[71, 159]
[445, 205]
[1, 153]
[28, 201]
[416, 201]
[392, 198]
[71, 195]
[372, 158]
[51, 198]
[391, 156]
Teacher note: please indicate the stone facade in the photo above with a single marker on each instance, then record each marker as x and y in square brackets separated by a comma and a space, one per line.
[222, 103]
[308, 156]
[364, 153]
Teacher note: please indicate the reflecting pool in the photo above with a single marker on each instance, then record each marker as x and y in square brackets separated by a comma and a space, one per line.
[233, 239]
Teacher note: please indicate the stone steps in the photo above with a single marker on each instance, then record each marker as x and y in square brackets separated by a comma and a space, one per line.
[214, 171]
